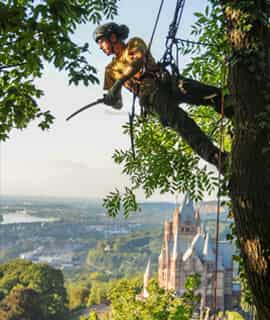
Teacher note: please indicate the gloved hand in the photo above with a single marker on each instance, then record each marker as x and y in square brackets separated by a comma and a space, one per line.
[116, 104]
[113, 97]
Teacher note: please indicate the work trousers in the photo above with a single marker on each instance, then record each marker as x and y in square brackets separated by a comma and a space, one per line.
[170, 92]
[164, 101]
[196, 93]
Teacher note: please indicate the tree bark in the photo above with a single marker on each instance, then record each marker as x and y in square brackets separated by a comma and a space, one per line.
[250, 180]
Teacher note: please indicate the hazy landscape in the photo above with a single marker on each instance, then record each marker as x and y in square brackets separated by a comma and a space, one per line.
[73, 234]
[93, 251]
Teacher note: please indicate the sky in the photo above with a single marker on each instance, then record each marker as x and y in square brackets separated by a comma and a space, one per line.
[74, 159]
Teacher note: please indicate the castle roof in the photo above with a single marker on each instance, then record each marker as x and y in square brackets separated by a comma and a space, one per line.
[195, 247]
[187, 211]
[203, 247]
[208, 252]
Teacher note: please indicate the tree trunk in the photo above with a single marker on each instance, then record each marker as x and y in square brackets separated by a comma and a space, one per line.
[250, 181]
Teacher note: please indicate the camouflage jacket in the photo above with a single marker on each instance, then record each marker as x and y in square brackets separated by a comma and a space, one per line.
[143, 82]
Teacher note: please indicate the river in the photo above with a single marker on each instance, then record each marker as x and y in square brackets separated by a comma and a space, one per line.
[23, 217]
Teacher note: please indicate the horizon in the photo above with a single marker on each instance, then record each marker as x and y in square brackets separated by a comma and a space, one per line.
[97, 200]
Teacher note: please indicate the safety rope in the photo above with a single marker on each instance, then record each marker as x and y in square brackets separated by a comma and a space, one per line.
[155, 26]
[131, 126]
[176, 19]
[221, 144]
[132, 114]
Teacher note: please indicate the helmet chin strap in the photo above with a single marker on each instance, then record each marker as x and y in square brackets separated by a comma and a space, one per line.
[112, 43]
[112, 46]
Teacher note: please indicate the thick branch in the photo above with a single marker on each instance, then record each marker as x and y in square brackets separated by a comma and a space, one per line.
[2, 67]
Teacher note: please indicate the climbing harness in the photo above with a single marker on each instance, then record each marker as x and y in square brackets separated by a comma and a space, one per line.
[173, 44]
[167, 59]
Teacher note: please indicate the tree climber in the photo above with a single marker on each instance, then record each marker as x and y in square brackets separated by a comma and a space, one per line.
[159, 92]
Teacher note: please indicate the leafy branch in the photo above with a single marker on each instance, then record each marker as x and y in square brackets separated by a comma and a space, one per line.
[33, 33]
[163, 162]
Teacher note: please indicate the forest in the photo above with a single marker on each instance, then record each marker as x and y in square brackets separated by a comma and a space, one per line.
[37, 291]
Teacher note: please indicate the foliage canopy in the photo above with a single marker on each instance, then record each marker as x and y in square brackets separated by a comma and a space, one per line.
[33, 34]
[47, 282]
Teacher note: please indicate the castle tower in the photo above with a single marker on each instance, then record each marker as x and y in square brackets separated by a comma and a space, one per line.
[175, 263]
[164, 257]
[187, 216]
[184, 225]
[176, 220]
[188, 219]
[168, 231]
[161, 268]
[188, 249]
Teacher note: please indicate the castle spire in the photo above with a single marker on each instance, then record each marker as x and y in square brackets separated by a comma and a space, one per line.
[146, 279]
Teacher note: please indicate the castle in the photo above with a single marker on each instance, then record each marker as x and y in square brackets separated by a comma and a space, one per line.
[187, 249]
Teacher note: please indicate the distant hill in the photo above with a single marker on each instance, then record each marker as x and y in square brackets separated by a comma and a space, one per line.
[210, 207]
[158, 212]
[91, 209]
